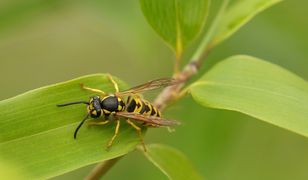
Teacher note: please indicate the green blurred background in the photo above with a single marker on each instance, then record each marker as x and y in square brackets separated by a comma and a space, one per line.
[47, 41]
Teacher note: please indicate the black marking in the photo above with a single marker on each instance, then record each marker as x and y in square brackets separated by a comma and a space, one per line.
[128, 99]
[122, 104]
[138, 105]
[147, 108]
[158, 113]
[132, 105]
[153, 111]
[142, 108]
[110, 103]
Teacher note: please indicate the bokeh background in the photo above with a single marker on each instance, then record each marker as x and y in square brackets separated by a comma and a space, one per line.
[48, 41]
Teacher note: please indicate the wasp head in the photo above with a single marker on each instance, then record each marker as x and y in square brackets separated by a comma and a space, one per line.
[94, 107]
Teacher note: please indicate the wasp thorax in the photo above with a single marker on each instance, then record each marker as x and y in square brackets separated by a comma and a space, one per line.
[105, 106]
[111, 104]
[94, 107]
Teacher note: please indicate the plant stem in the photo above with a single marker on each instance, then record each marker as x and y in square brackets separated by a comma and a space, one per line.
[171, 93]
[102, 168]
[207, 43]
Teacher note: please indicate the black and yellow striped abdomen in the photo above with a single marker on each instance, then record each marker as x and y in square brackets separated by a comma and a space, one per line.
[141, 106]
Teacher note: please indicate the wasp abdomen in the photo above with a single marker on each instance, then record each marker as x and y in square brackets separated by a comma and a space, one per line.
[141, 106]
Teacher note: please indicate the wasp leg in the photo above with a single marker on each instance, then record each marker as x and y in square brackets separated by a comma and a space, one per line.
[138, 129]
[116, 87]
[115, 134]
[93, 90]
[97, 123]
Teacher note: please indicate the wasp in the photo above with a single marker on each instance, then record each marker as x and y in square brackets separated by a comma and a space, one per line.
[134, 109]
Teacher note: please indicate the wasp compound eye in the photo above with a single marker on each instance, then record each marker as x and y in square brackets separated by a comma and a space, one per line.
[96, 104]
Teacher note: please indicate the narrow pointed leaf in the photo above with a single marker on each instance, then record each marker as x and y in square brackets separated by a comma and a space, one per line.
[256, 88]
[173, 163]
[177, 21]
[237, 15]
[37, 137]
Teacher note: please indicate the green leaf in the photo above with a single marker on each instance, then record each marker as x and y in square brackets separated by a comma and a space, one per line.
[173, 163]
[237, 15]
[7, 170]
[256, 88]
[177, 21]
[37, 136]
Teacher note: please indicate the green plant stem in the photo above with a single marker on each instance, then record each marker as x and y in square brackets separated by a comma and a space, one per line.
[170, 93]
[206, 43]
[102, 168]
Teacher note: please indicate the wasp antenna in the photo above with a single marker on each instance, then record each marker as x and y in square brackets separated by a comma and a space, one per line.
[80, 124]
[72, 103]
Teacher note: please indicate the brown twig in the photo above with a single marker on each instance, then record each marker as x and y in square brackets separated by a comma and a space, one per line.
[102, 168]
[171, 93]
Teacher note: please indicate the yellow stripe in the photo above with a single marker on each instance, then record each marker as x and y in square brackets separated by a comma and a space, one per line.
[158, 113]
[138, 103]
[104, 98]
[150, 107]
[106, 111]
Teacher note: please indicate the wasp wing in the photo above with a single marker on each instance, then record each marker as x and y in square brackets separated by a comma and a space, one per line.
[150, 85]
[151, 120]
